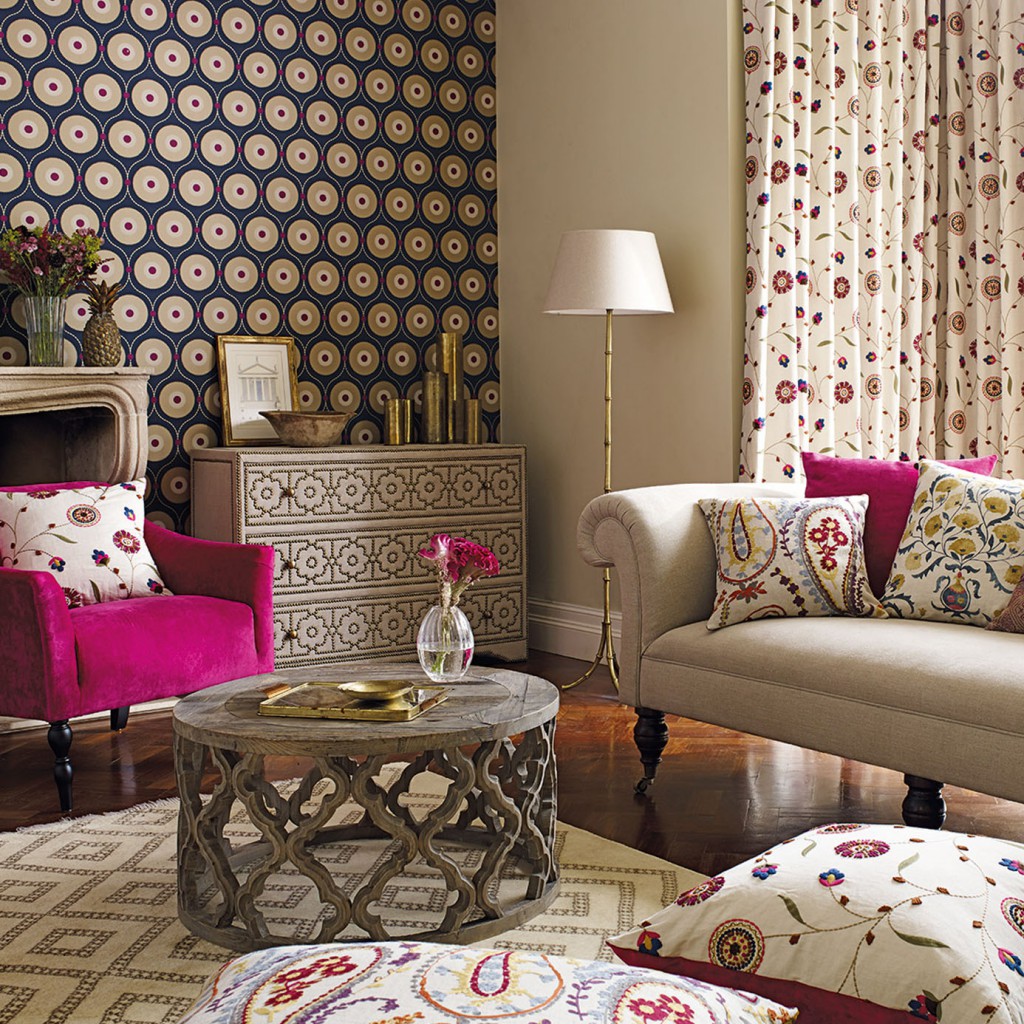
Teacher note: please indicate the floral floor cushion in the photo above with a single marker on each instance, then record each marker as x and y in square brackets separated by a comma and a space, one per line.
[426, 983]
[865, 923]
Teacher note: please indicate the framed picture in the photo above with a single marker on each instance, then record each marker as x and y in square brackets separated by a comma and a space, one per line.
[255, 373]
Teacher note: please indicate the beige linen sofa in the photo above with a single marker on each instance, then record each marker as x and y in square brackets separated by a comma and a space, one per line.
[936, 701]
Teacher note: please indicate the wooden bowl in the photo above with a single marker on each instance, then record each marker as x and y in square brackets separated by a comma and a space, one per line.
[378, 689]
[307, 429]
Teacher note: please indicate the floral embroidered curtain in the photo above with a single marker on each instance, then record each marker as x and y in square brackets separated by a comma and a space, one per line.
[885, 226]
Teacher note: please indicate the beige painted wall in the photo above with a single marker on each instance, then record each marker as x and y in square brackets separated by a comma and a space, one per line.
[626, 114]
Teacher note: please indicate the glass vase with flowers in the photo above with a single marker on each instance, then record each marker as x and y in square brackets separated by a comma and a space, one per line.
[45, 267]
[445, 639]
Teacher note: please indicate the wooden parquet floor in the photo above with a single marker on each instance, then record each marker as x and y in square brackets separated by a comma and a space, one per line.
[720, 796]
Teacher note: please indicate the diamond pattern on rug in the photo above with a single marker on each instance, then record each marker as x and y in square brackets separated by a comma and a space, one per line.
[89, 932]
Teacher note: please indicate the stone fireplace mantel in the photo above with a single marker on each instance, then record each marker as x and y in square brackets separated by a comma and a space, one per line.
[72, 423]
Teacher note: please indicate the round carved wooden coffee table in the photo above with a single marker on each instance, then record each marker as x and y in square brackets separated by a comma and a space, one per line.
[492, 741]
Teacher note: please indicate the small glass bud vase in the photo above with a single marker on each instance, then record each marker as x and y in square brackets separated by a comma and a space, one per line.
[445, 644]
[44, 317]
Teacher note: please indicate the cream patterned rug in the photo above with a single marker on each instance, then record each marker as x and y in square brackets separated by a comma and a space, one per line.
[89, 932]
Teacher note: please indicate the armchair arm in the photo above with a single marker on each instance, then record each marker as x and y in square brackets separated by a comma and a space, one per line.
[235, 572]
[658, 540]
[38, 665]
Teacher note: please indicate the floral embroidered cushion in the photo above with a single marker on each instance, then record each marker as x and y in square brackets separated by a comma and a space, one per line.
[889, 486]
[393, 982]
[962, 552]
[789, 557]
[860, 923]
[89, 537]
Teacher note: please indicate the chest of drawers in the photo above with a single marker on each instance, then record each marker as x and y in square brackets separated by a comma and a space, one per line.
[346, 524]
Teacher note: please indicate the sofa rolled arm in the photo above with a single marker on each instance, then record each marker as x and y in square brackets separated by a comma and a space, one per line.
[38, 665]
[659, 543]
[235, 572]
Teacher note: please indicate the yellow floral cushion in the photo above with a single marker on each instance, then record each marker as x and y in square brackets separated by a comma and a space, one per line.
[962, 552]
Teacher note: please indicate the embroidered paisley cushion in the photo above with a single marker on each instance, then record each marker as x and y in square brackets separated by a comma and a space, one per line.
[385, 982]
[1011, 618]
[889, 486]
[90, 537]
[860, 923]
[962, 552]
[789, 557]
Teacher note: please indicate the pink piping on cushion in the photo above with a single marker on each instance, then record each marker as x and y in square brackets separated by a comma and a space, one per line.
[38, 665]
[64, 485]
[236, 572]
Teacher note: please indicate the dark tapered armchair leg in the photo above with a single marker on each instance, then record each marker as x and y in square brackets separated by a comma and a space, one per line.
[119, 717]
[650, 735]
[59, 738]
[923, 805]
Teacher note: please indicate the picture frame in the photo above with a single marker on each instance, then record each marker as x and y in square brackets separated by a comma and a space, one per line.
[255, 373]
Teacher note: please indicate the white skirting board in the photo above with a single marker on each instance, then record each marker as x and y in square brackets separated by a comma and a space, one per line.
[571, 630]
[19, 724]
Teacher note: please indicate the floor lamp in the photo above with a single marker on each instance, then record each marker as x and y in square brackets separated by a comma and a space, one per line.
[607, 273]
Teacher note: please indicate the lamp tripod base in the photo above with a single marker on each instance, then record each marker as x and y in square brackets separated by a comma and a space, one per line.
[606, 645]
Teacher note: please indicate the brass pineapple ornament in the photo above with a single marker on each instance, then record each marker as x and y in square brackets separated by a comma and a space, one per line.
[101, 339]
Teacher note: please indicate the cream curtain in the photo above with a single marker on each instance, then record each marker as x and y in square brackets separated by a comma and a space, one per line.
[885, 225]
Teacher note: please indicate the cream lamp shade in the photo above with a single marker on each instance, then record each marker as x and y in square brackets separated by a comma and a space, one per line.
[601, 270]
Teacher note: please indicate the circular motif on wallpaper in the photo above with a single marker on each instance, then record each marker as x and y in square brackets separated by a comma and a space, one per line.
[472, 210]
[379, 86]
[77, 312]
[485, 100]
[454, 171]
[31, 214]
[382, 319]
[323, 277]
[470, 60]
[12, 174]
[364, 358]
[487, 322]
[322, 118]
[419, 320]
[321, 38]
[418, 244]
[50, 85]
[126, 138]
[151, 270]
[300, 74]
[12, 352]
[174, 228]
[342, 159]
[103, 180]
[416, 90]
[197, 273]
[282, 194]
[218, 231]
[172, 58]
[238, 108]
[310, 398]
[176, 399]
[381, 242]
[161, 442]
[211, 400]
[401, 358]
[455, 318]
[241, 274]
[454, 246]
[341, 80]
[239, 191]
[401, 282]
[474, 359]
[77, 45]
[486, 174]
[153, 354]
[416, 14]
[303, 237]
[175, 314]
[451, 20]
[26, 38]
[149, 98]
[194, 19]
[260, 152]
[436, 207]
[343, 318]
[301, 156]
[434, 55]
[453, 96]
[263, 315]
[303, 317]
[363, 279]
[199, 437]
[216, 64]
[150, 15]
[364, 432]
[259, 70]
[490, 396]
[487, 248]
[437, 282]
[220, 316]
[261, 234]
[173, 143]
[380, 12]
[194, 103]
[280, 32]
[399, 126]
[380, 393]
[174, 485]
[103, 12]
[54, 176]
[195, 188]
[237, 25]
[360, 122]
[322, 197]
[126, 52]
[417, 167]
[345, 396]
[28, 130]
[325, 358]
[217, 147]
[102, 93]
[283, 276]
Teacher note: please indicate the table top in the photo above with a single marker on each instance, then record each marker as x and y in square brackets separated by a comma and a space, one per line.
[486, 704]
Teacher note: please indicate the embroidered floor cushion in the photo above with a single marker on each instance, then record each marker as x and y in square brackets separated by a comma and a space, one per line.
[88, 536]
[962, 552]
[866, 923]
[425, 983]
[889, 486]
[788, 557]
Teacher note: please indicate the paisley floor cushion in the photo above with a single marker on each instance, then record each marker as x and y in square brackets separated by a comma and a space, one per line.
[857, 923]
[426, 983]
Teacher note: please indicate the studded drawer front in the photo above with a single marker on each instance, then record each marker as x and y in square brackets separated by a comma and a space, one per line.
[360, 626]
[319, 495]
[380, 557]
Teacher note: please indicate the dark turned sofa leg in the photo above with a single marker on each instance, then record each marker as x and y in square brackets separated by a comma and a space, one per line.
[119, 718]
[923, 806]
[650, 734]
[59, 738]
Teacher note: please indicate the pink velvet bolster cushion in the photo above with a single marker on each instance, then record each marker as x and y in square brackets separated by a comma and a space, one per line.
[889, 486]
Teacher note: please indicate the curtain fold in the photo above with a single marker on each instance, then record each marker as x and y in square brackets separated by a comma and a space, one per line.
[885, 231]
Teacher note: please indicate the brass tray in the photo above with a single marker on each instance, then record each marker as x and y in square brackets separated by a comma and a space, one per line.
[331, 700]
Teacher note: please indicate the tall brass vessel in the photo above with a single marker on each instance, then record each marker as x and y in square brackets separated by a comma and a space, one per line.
[451, 362]
[434, 425]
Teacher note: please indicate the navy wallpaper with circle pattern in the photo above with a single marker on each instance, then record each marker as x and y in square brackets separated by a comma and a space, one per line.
[319, 168]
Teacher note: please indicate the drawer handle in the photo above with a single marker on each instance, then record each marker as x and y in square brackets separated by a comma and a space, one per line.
[486, 615]
[288, 492]
[288, 563]
[291, 634]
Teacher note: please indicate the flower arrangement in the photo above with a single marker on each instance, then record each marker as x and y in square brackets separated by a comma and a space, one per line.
[40, 263]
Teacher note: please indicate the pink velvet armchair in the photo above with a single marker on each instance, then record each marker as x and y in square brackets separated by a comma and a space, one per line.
[57, 662]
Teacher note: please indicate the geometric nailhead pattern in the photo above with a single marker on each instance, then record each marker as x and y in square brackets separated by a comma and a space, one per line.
[325, 170]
